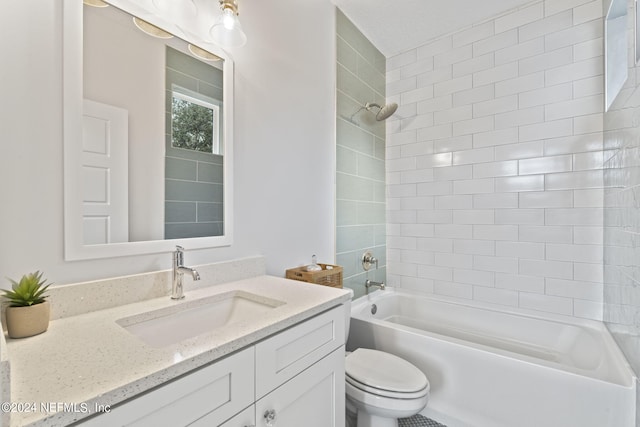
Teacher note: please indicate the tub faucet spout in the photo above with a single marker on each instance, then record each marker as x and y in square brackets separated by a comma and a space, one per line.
[179, 269]
[370, 283]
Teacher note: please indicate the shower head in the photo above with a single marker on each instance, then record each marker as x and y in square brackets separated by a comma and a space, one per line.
[384, 111]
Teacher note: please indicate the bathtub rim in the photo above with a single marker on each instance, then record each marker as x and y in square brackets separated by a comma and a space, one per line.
[617, 357]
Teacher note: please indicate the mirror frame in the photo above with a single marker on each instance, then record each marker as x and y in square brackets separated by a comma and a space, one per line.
[74, 248]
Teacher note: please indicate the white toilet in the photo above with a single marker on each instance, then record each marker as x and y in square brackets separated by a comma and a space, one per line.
[383, 387]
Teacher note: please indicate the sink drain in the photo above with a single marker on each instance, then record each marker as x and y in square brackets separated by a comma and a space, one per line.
[374, 309]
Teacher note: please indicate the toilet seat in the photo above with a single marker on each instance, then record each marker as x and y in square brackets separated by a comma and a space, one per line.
[386, 393]
[385, 374]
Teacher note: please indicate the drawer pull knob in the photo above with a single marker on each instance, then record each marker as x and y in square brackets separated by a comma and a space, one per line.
[270, 417]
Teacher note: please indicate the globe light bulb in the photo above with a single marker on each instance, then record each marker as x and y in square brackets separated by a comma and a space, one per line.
[229, 19]
[227, 31]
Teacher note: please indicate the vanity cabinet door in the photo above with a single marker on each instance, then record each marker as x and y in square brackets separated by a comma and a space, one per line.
[313, 398]
[287, 353]
[219, 391]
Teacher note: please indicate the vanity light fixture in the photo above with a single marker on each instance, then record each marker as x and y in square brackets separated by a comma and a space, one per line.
[150, 29]
[202, 54]
[95, 3]
[227, 31]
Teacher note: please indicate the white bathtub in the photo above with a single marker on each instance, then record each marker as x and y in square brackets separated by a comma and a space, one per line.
[496, 369]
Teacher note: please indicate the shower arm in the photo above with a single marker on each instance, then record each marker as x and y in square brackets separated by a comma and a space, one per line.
[368, 106]
[384, 112]
[364, 107]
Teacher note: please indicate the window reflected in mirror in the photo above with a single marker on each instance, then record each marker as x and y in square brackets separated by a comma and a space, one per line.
[194, 124]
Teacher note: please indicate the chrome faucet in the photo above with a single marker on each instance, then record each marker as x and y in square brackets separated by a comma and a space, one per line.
[368, 260]
[369, 283]
[179, 269]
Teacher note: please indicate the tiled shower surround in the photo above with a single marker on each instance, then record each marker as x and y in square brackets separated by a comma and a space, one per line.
[494, 161]
[360, 153]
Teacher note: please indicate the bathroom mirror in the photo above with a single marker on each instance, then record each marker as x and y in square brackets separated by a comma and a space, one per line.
[147, 134]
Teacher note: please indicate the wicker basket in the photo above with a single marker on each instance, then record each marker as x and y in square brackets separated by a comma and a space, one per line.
[331, 276]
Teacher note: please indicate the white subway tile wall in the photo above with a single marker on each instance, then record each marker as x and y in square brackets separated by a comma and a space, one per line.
[495, 161]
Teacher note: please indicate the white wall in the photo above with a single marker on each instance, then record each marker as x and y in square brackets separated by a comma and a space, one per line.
[284, 142]
[495, 159]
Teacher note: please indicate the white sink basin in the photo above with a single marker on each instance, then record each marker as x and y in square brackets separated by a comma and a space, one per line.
[189, 319]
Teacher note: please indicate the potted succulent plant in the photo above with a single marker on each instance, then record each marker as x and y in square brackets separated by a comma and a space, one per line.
[28, 310]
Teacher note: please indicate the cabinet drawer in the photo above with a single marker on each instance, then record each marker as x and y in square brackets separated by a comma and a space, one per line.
[221, 389]
[288, 353]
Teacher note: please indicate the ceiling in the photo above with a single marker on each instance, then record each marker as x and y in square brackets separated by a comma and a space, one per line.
[395, 26]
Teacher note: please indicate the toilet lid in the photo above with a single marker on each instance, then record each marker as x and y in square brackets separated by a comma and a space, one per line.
[384, 371]
[384, 393]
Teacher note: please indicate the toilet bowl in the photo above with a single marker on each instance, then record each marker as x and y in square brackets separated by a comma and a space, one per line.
[382, 387]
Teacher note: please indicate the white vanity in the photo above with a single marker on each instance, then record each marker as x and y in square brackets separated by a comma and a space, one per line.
[285, 367]
[293, 378]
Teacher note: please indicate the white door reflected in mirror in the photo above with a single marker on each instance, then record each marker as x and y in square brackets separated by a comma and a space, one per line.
[105, 194]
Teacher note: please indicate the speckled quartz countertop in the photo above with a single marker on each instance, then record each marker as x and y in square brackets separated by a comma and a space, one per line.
[90, 360]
